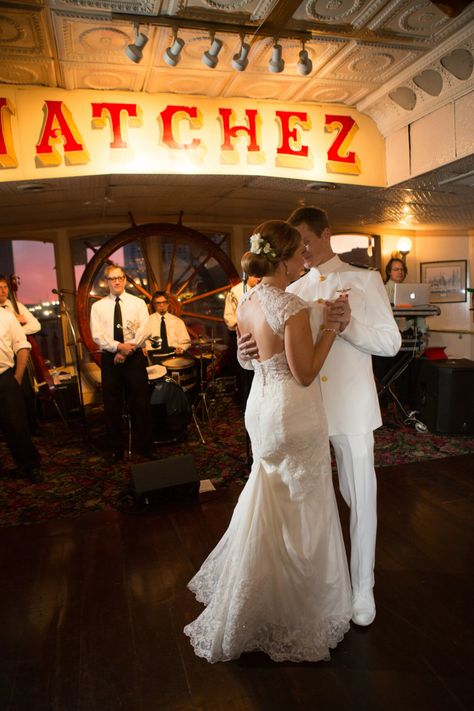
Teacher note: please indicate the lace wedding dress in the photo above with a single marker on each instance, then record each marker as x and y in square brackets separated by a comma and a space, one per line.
[278, 580]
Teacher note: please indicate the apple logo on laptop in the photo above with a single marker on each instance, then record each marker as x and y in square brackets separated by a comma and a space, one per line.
[412, 295]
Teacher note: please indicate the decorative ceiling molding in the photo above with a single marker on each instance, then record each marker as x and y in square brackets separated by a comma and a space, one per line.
[361, 50]
[390, 118]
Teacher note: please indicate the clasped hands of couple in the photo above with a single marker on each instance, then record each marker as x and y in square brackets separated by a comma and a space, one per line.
[337, 316]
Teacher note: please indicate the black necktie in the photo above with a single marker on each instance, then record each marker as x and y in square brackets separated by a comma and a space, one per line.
[118, 326]
[163, 335]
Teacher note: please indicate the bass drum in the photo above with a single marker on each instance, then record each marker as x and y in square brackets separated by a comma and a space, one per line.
[171, 411]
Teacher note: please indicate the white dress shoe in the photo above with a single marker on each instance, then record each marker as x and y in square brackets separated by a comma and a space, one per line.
[363, 608]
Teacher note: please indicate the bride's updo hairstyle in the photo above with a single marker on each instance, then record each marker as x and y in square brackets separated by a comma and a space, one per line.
[271, 243]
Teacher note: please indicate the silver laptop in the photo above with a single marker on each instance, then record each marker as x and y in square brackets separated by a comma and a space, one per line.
[406, 295]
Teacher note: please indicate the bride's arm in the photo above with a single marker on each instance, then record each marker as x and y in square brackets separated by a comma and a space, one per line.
[305, 360]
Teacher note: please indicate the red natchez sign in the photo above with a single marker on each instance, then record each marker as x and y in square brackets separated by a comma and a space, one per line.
[56, 133]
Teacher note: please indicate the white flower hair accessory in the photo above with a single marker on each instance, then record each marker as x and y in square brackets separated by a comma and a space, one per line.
[259, 246]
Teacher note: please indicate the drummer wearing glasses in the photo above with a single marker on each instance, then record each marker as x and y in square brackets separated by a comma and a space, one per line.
[168, 332]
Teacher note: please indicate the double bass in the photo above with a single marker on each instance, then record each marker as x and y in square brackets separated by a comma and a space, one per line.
[37, 368]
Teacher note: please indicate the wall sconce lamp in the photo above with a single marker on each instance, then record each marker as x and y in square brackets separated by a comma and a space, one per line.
[135, 51]
[210, 58]
[305, 65]
[172, 54]
[404, 246]
[276, 63]
[240, 61]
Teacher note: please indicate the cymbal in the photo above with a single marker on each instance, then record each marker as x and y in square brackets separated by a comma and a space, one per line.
[204, 341]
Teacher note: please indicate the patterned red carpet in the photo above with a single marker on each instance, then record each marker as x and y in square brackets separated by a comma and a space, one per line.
[77, 478]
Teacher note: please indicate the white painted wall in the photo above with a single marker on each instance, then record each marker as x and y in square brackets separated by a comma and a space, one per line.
[453, 317]
[440, 137]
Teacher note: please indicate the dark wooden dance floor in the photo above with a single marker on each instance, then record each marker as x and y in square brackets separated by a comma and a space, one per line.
[93, 610]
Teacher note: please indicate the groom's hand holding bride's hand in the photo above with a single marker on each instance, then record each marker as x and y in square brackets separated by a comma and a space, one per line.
[338, 311]
[247, 346]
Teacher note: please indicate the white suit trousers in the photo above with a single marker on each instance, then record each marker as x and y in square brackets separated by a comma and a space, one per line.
[358, 486]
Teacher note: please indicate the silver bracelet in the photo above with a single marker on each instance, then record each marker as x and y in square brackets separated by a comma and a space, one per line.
[331, 330]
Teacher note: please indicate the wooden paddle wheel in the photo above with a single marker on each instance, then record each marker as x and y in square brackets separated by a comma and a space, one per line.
[190, 266]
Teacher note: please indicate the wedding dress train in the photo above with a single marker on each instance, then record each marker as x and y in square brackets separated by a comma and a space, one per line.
[278, 580]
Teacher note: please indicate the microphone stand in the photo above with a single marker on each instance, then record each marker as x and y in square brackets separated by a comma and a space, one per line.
[64, 309]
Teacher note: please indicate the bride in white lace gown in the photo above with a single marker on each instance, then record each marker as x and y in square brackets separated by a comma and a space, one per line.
[278, 580]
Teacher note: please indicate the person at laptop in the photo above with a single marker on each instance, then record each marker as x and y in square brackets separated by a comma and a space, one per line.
[395, 273]
[168, 333]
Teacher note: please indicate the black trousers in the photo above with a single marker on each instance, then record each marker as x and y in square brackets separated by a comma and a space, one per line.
[127, 384]
[244, 377]
[14, 423]
[30, 401]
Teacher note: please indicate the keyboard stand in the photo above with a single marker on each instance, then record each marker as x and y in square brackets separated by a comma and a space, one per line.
[411, 349]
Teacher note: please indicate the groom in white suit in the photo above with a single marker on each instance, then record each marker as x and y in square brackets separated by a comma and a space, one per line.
[347, 384]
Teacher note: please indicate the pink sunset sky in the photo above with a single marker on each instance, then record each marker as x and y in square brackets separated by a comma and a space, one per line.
[34, 264]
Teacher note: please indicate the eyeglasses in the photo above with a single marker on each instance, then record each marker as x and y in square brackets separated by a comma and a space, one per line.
[159, 303]
[120, 278]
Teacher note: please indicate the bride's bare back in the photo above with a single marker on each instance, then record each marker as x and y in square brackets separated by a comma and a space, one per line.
[251, 319]
[284, 327]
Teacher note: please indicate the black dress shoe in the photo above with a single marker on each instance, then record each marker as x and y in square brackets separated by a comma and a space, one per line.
[10, 473]
[148, 454]
[115, 457]
[34, 475]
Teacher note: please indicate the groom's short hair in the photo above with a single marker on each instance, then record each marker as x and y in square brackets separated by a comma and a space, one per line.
[316, 219]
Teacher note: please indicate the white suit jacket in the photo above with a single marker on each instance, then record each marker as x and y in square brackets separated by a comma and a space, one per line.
[347, 381]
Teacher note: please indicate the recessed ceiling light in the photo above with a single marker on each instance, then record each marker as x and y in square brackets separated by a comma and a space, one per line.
[321, 187]
[33, 187]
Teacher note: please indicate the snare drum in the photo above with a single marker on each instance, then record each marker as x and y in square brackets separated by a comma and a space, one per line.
[171, 411]
[182, 371]
[155, 372]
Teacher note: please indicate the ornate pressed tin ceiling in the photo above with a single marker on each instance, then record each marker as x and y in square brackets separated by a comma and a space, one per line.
[371, 54]
[361, 50]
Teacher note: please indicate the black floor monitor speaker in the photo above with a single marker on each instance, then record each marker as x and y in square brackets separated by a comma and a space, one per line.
[445, 395]
[164, 479]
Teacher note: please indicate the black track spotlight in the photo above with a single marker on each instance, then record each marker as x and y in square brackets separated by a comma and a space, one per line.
[210, 58]
[172, 55]
[240, 61]
[305, 65]
[135, 51]
[276, 63]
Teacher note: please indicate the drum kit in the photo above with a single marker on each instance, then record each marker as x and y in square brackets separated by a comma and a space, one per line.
[174, 380]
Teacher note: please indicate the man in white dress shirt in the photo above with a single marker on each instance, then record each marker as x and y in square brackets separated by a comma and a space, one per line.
[232, 299]
[118, 326]
[243, 377]
[30, 325]
[347, 384]
[14, 354]
[172, 335]
[25, 318]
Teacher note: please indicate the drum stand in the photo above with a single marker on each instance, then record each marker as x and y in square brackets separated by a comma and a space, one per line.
[200, 405]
